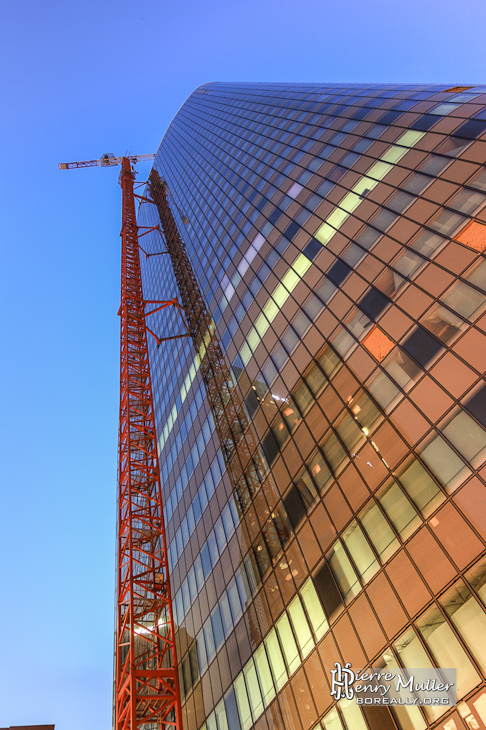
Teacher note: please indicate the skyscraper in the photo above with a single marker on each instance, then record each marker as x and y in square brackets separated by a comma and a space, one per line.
[329, 506]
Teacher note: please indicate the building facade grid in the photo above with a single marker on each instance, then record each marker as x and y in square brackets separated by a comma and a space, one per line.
[338, 236]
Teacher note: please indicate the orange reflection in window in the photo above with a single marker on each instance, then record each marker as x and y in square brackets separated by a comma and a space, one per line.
[474, 236]
[378, 343]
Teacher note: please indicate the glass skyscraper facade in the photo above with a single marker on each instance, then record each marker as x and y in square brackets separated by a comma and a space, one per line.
[337, 234]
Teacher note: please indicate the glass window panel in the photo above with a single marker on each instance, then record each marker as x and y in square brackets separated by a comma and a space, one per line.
[212, 722]
[280, 356]
[228, 521]
[234, 600]
[208, 635]
[467, 436]
[264, 674]
[400, 511]
[301, 626]
[199, 572]
[465, 300]
[226, 614]
[443, 462]
[290, 340]
[407, 264]
[305, 485]
[384, 219]
[191, 578]
[343, 341]
[452, 146]
[349, 432]
[399, 201]
[367, 238]
[313, 306]
[428, 243]
[365, 412]
[469, 619]
[319, 470]
[326, 290]
[314, 610]
[220, 535]
[332, 720]
[412, 655]
[262, 557]
[333, 451]
[477, 275]
[420, 486]
[358, 324]
[314, 200]
[217, 625]
[186, 597]
[466, 201]
[443, 323]
[447, 222]
[408, 717]
[253, 687]
[315, 379]
[479, 181]
[329, 361]
[383, 390]
[291, 414]
[443, 109]
[416, 183]
[213, 548]
[434, 165]
[477, 578]
[280, 431]
[220, 712]
[353, 255]
[362, 145]
[401, 368]
[303, 397]
[379, 531]
[231, 709]
[242, 702]
[360, 551]
[201, 651]
[276, 659]
[288, 643]
[353, 717]
[343, 571]
[447, 650]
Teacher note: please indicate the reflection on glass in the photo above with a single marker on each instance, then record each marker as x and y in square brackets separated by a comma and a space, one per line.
[477, 579]
[420, 486]
[412, 655]
[468, 618]
[443, 462]
[343, 571]
[360, 551]
[399, 509]
[379, 531]
[446, 649]
[408, 717]
[467, 436]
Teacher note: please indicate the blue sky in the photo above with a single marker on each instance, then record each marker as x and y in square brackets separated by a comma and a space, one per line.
[81, 79]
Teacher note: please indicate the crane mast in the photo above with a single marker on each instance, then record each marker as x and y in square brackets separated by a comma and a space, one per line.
[147, 684]
[147, 695]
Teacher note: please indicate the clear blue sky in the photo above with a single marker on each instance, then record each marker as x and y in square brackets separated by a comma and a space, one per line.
[80, 79]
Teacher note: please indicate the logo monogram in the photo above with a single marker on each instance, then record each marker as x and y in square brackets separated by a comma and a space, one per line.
[342, 679]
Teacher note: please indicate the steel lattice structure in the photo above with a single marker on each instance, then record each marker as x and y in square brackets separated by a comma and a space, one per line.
[146, 684]
[246, 465]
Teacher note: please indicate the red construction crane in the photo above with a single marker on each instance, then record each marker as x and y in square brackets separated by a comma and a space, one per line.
[147, 691]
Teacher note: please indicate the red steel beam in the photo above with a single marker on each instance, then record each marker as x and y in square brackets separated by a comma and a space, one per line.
[146, 682]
